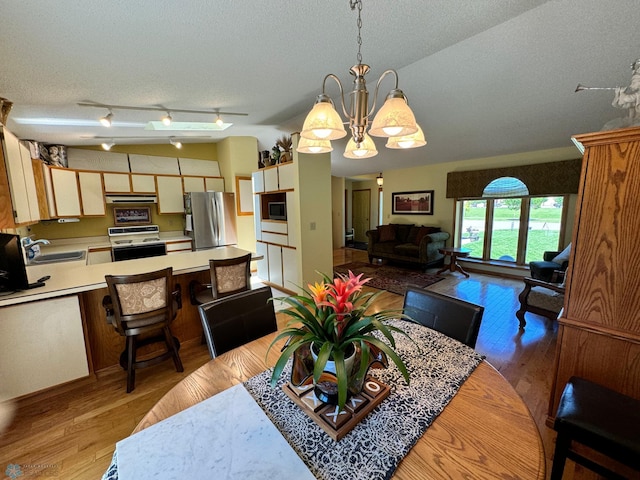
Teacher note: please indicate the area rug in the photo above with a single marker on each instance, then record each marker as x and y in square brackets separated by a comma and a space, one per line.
[390, 278]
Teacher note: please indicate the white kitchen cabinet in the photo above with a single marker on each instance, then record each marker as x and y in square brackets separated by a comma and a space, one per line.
[170, 196]
[153, 164]
[293, 219]
[91, 194]
[274, 254]
[263, 264]
[65, 192]
[141, 183]
[97, 160]
[257, 179]
[290, 275]
[201, 168]
[270, 179]
[257, 217]
[21, 182]
[214, 184]
[193, 184]
[99, 255]
[117, 183]
[286, 176]
[42, 345]
[177, 246]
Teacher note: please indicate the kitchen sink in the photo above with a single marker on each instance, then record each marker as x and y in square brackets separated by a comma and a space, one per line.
[58, 257]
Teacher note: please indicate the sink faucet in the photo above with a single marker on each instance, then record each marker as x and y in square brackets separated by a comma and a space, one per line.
[30, 244]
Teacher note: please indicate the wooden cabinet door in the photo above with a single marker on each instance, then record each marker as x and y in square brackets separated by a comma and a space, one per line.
[290, 275]
[271, 179]
[275, 264]
[65, 192]
[170, 196]
[193, 184]
[91, 193]
[117, 183]
[286, 176]
[19, 191]
[141, 183]
[214, 184]
[263, 265]
[257, 178]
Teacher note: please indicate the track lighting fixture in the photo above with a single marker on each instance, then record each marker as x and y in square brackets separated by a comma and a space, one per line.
[166, 120]
[175, 143]
[106, 120]
[107, 145]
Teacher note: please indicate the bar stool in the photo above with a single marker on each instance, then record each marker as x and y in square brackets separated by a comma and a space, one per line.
[228, 277]
[141, 307]
[600, 418]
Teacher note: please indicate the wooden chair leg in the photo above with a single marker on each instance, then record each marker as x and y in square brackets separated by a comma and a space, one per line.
[172, 345]
[131, 359]
[563, 442]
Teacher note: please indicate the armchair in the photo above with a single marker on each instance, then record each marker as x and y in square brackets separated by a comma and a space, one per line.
[551, 263]
[542, 298]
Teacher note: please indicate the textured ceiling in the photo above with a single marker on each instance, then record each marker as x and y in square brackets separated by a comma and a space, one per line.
[484, 77]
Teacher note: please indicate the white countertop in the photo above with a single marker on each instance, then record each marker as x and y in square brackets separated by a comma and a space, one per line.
[74, 277]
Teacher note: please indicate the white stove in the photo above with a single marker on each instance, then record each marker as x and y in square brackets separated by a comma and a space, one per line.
[138, 241]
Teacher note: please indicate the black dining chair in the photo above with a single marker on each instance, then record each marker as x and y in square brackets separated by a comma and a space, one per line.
[234, 320]
[141, 307]
[455, 318]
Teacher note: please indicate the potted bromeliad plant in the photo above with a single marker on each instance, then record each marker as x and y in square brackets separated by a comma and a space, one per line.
[331, 337]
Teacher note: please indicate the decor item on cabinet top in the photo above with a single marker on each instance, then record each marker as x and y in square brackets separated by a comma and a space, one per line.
[625, 98]
[330, 321]
[284, 144]
[5, 108]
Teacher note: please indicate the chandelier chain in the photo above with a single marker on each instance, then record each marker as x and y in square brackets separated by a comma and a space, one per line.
[354, 4]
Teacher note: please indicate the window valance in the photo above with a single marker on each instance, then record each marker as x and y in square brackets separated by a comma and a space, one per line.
[552, 178]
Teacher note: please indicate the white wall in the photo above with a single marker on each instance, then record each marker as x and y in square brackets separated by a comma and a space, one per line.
[338, 211]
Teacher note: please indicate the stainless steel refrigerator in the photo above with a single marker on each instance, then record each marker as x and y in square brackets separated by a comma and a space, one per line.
[210, 219]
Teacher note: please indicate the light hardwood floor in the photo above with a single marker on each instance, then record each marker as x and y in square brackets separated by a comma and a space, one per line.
[70, 431]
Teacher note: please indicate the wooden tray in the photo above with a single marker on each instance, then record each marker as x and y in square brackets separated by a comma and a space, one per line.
[338, 424]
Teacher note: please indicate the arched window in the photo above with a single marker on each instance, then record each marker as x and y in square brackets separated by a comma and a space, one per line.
[504, 187]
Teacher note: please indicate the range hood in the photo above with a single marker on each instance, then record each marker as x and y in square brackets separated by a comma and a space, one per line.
[130, 198]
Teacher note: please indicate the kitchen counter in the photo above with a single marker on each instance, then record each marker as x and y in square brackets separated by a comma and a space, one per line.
[75, 277]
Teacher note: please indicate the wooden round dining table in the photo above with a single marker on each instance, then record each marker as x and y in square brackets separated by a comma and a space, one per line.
[485, 432]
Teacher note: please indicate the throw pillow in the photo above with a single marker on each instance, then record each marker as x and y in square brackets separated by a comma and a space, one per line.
[386, 233]
[413, 233]
[402, 231]
[563, 256]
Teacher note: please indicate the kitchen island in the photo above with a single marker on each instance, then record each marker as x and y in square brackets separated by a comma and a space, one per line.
[57, 333]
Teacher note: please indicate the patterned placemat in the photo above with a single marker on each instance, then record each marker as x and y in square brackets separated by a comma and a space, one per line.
[438, 366]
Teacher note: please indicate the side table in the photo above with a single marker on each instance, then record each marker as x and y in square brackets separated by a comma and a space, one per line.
[454, 253]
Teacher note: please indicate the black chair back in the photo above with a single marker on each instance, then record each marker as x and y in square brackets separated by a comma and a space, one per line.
[231, 321]
[455, 318]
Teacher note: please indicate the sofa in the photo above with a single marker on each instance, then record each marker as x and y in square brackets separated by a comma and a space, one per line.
[407, 243]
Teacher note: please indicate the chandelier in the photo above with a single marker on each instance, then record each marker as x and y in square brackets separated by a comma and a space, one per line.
[394, 120]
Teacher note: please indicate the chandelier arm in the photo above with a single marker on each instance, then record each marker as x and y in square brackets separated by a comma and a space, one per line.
[324, 82]
[375, 93]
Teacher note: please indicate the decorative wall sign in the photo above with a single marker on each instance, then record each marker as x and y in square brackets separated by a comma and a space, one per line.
[418, 203]
[132, 215]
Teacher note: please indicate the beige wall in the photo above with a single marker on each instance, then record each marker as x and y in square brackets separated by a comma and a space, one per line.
[434, 177]
[238, 156]
[338, 214]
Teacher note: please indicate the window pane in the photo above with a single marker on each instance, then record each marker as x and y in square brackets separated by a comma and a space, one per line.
[505, 229]
[544, 226]
[474, 213]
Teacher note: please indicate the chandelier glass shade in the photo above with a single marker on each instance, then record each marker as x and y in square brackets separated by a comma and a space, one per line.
[313, 146]
[414, 140]
[364, 149]
[394, 119]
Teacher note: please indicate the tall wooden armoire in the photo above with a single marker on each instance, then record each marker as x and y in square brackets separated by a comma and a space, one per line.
[599, 329]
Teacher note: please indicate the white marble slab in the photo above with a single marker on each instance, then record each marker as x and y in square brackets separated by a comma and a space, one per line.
[227, 436]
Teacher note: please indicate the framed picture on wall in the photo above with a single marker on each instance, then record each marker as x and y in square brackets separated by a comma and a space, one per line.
[132, 215]
[412, 203]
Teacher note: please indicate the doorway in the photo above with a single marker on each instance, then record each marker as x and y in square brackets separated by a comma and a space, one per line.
[361, 213]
